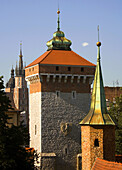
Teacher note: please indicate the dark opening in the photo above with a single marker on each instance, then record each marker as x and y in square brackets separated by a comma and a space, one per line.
[96, 143]
[57, 68]
[58, 93]
[69, 68]
[66, 151]
[35, 129]
[82, 69]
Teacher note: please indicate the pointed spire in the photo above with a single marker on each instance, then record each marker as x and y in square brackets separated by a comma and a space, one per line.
[20, 48]
[16, 69]
[98, 114]
[58, 28]
[12, 72]
[20, 60]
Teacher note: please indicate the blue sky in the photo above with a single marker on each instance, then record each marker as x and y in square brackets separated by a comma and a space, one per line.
[34, 21]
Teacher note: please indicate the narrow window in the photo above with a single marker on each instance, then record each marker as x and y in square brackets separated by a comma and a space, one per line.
[82, 69]
[33, 69]
[73, 94]
[29, 69]
[96, 143]
[35, 129]
[57, 68]
[69, 68]
[65, 151]
[58, 93]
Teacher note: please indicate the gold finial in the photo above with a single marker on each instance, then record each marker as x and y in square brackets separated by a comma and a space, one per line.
[98, 43]
[58, 12]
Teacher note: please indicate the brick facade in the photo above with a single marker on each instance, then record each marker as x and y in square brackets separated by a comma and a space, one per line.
[104, 148]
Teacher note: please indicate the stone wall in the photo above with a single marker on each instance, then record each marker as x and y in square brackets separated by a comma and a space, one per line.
[35, 120]
[60, 126]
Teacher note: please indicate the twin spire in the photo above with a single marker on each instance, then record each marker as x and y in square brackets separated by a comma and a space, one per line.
[98, 114]
[20, 70]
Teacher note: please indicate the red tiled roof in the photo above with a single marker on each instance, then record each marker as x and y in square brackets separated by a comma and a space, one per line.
[101, 164]
[61, 57]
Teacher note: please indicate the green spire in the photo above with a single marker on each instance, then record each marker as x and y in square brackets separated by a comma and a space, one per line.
[98, 114]
[59, 41]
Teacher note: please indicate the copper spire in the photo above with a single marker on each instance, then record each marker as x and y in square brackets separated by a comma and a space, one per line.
[98, 114]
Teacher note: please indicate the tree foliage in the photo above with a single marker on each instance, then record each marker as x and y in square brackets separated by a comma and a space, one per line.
[13, 155]
[116, 113]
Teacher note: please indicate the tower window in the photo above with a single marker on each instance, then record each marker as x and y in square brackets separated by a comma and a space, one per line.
[69, 68]
[58, 93]
[35, 129]
[66, 151]
[73, 94]
[57, 68]
[82, 69]
[96, 143]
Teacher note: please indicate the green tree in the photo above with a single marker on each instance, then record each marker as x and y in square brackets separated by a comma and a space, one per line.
[13, 155]
[116, 113]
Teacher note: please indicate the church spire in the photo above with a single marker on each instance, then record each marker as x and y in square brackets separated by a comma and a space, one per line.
[20, 60]
[98, 114]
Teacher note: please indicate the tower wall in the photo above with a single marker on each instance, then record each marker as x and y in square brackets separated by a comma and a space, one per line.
[64, 99]
[97, 141]
[35, 116]
[60, 126]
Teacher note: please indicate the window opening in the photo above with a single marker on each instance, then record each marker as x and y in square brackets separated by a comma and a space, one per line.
[66, 151]
[57, 68]
[35, 129]
[69, 68]
[96, 143]
[82, 69]
[58, 93]
[73, 94]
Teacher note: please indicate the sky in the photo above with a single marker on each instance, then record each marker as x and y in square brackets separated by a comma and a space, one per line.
[34, 21]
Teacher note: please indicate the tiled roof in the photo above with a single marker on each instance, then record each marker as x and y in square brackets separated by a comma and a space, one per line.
[61, 57]
[101, 164]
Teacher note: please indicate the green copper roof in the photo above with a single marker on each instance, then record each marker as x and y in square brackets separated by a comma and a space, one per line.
[59, 42]
[98, 114]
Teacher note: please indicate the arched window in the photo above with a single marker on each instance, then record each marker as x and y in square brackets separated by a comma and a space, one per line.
[96, 143]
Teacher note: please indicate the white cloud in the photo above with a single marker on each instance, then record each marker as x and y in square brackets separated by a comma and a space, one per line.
[85, 44]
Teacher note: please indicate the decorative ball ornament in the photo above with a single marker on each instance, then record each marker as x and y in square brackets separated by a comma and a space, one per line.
[58, 12]
[98, 44]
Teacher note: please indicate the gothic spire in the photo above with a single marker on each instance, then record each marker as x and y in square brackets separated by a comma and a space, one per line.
[98, 114]
[20, 60]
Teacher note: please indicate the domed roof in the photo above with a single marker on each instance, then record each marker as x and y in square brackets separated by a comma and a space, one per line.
[59, 41]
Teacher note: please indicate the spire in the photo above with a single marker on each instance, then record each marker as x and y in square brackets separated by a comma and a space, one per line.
[59, 41]
[12, 72]
[98, 114]
[16, 69]
[20, 60]
[58, 12]
[21, 49]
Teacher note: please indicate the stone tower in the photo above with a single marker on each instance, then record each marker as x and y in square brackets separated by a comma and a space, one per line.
[97, 128]
[18, 87]
[60, 86]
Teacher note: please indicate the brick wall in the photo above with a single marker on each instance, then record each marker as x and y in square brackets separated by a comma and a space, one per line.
[106, 148]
